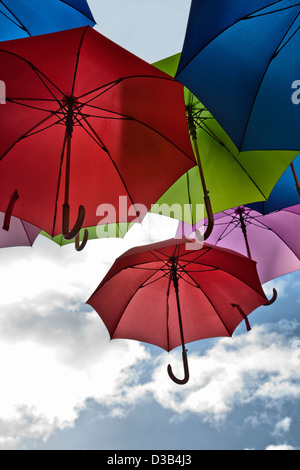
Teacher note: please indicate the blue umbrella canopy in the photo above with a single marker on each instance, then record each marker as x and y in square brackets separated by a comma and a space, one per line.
[285, 193]
[241, 59]
[23, 18]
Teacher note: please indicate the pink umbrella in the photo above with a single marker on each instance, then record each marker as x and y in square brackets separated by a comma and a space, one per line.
[271, 240]
[16, 232]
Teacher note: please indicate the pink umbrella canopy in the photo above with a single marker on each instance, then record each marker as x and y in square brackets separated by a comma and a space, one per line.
[169, 293]
[271, 240]
[19, 233]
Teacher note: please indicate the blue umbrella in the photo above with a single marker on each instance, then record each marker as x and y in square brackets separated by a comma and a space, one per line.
[285, 193]
[241, 59]
[23, 18]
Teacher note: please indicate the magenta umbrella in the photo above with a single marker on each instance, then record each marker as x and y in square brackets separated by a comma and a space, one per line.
[271, 240]
[16, 232]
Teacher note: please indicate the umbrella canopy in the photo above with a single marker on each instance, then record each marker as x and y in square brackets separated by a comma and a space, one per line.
[169, 293]
[88, 125]
[242, 59]
[23, 18]
[271, 240]
[285, 193]
[225, 175]
[20, 233]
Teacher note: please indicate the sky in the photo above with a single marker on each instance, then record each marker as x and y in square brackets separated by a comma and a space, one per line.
[66, 386]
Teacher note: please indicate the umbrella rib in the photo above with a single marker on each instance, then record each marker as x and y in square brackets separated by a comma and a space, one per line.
[148, 282]
[103, 88]
[279, 236]
[215, 137]
[18, 102]
[253, 15]
[90, 17]
[224, 234]
[117, 82]
[25, 231]
[226, 227]
[105, 149]
[211, 303]
[130, 118]
[130, 299]
[263, 77]
[204, 251]
[284, 45]
[107, 86]
[219, 34]
[24, 136]
[37, 72]
[77, 59]
[95, 137]
[19, 23]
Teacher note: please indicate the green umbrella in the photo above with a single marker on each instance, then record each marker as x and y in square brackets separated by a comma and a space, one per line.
[224, 177]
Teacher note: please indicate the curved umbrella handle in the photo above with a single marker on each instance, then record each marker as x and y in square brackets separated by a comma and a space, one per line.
[186, 371]
[80, 246]
[210, 223]
[67, 234]
[210, 216]
[274, 298]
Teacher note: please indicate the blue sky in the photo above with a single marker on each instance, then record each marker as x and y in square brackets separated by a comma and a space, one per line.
[64, 385]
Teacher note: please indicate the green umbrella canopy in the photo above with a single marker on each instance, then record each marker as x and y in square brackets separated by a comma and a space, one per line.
[232, 178]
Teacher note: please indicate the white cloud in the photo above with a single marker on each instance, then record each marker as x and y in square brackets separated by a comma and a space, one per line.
[282, 426]
[254, 366]
[55, 352]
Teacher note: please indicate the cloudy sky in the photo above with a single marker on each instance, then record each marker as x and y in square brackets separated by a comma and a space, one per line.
[65, 385]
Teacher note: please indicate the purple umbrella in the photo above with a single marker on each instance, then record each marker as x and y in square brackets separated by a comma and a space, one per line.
[271, 240]
[17, 232]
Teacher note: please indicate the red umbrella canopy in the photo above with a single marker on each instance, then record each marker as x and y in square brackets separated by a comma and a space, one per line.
[177, 291]
[85, 122]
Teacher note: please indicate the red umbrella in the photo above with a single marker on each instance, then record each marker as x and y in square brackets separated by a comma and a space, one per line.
[167, 294]
[85, 123]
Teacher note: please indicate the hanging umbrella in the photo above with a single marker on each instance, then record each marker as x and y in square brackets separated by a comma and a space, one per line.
[224, 177]
[246, 65]
[23, 18]
[88, 124]
[20, 233]
[271, 240]
[168, 293]
[284, 194]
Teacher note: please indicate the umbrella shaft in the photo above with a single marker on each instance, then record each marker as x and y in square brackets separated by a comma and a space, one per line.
[296, 179]
[176, 287]
[192, 129]
[69, 133]
[68, 164]
[244, 230]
